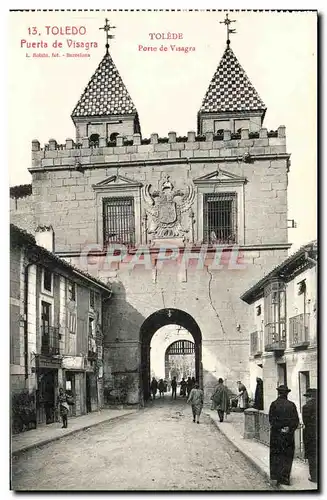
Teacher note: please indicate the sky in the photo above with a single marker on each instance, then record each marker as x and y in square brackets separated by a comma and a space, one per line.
[277, 50]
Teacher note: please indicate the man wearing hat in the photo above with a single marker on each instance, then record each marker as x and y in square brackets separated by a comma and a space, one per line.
[284, 420]
[309, 416]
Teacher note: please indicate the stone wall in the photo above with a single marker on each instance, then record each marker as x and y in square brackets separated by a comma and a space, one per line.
[15, 305]
[22, 213]
[64, 177]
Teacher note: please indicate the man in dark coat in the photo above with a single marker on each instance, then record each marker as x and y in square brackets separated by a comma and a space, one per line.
[258, 396]
[220, 399]
[284, 420]
[173, 387]
[309, 416]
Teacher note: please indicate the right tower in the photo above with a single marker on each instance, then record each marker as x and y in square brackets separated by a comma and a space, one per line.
[231, 102]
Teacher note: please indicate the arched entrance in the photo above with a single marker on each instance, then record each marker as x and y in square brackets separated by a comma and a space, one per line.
[157, 320]
[183, 350]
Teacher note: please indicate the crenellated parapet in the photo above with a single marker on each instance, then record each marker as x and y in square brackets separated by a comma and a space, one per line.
[225, 145]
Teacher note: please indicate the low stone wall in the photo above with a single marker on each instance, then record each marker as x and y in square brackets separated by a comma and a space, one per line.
[256, 426]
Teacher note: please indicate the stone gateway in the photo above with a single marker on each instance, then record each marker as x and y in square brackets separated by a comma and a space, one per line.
[223, 187]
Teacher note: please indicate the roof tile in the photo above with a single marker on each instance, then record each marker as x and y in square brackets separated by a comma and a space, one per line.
[105, 93]
[230, 89]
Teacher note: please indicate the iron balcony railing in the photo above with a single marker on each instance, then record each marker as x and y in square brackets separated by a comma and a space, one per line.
[50, 340]
[275, 336]
[299, 330]
[256, 343]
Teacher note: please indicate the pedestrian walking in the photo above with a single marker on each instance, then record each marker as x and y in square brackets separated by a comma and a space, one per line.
[161, 387]
[196, 400]
[243, 397]
[173, 388]
[63, 407]
[183, 388]
[309, 416]
[188, 386]
[284, 420]
[193, 382]
[220, 400]
[258, 395]
[154, 387]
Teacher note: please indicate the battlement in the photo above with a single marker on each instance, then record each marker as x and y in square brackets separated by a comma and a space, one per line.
[122, 150]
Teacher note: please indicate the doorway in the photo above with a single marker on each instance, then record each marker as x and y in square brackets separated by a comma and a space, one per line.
[46, 403]
[180, 360]
[153, 323]
[88, 394]
[70, 391]
[303, 384]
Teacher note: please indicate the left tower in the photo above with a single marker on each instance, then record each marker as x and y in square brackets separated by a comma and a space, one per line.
[105, 108]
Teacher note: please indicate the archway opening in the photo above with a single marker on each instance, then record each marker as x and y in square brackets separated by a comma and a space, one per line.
[151, 325]
[94, 140]
[180, 360]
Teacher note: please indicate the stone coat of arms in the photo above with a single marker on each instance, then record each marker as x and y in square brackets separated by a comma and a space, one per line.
[165, 211]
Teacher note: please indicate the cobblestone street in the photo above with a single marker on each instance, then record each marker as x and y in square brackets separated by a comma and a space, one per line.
[158, 448]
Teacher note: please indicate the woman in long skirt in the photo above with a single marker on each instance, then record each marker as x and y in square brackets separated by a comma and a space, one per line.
[196, 400]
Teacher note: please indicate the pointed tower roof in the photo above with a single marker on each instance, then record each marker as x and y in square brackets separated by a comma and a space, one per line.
[105, 93]
[230, 89]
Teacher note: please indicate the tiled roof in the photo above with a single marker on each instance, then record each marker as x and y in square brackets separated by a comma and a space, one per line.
[304, 256]
[105, 93]
[230, 89]
[20, 235]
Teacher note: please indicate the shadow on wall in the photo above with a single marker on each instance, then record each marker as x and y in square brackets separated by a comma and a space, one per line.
[121, 349]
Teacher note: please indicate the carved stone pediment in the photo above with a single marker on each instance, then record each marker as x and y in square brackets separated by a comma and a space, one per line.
[165, 207]
[116, 182]
[220, 176]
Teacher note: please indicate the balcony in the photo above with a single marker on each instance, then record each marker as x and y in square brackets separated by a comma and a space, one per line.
[256, 343]
[50, 341]
[299, 330]
[275, 337]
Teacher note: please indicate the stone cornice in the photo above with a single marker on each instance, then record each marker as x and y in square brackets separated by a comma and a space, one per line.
[194, 249]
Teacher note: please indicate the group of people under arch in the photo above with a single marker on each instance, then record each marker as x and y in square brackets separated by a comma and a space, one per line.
[161, 386]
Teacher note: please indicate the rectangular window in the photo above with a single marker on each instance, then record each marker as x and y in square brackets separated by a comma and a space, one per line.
[92, 299]
[221, 125]
[91, 327]
[220, 218]
[72, 322]
[45, 315]
[239, 124]
[119, 221]
[47, 280]
[71, 291]
[49, 334]
[275, 315]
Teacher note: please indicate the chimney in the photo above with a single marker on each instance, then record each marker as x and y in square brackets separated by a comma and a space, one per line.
[45, 237]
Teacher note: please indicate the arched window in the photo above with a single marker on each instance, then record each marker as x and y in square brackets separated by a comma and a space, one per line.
[94, 140]
[113, 136]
